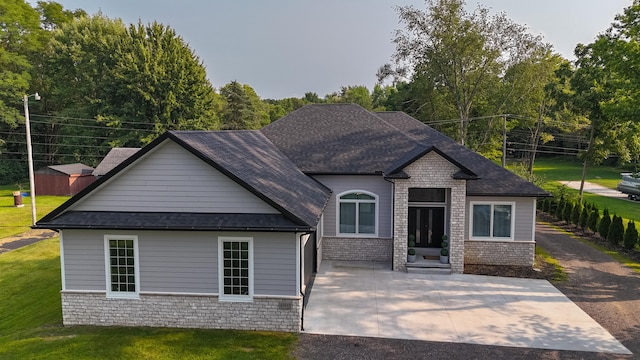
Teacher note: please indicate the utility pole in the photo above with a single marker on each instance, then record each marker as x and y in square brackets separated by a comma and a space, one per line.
[504, 141]
[32, 185]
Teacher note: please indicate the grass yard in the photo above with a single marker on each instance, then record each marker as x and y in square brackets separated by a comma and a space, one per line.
[15, 220]
[31, 323]
[554, 170]
[559, 169]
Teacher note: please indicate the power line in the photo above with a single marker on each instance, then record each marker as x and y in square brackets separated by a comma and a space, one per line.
[88, 119]
[57, 145]
[93, 127]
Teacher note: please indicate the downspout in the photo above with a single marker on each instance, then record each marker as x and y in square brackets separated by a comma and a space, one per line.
[393, 220]
[301, 276]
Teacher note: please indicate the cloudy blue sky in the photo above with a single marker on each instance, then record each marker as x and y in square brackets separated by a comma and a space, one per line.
[285, 48]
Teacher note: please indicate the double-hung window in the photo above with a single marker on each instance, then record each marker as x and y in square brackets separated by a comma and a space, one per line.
[122, 266]
[357, 213]
[492, 220]
[235, 268]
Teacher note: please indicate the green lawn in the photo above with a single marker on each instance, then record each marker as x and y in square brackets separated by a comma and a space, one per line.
[15, 220]
[31, 323]
[556, 169]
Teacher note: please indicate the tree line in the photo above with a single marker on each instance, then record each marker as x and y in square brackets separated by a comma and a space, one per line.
[482, 79]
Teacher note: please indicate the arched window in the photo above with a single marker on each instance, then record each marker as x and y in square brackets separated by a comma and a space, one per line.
[357, 213]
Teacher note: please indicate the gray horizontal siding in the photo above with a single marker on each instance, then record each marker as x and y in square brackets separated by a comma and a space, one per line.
[178, 262]
[275, 264]
[374, 184]
[83, 261]
[181, 262]
[170, 179]
[524, 228]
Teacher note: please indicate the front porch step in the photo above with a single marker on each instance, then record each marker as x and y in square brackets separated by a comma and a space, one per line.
[428, 267]
[429, 271]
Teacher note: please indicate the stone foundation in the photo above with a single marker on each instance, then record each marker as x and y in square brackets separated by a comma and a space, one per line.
[357, 249]
[520, 253]
[182, 311]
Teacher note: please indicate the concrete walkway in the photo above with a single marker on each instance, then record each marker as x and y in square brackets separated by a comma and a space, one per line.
[368, 299]
[595, 189]
[24, 239]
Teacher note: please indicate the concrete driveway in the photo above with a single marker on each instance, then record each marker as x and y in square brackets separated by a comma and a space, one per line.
[368, 299]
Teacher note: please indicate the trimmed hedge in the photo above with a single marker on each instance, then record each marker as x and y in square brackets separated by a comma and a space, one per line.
[630, 236]
[575, 214]
[594, 220]
[616, 231]
[605, 222]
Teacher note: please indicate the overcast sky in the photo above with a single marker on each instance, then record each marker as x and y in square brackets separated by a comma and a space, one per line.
[284, 48]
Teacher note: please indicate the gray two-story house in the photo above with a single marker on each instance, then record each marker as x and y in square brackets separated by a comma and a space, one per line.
[224, 229]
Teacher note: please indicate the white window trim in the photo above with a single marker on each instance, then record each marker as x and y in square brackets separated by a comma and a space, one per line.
[136, 265]
[357, 235]
[492, 203]
[221, 295]
[63, 277]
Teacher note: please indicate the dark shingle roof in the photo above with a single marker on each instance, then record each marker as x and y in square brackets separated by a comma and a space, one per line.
[339, 139]
[72, 169]
[171, 221]
[113, 159]
[493, 179]
[348, 139]
[252, 160]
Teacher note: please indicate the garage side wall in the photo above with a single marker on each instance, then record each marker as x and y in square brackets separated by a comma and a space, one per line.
[179, 282]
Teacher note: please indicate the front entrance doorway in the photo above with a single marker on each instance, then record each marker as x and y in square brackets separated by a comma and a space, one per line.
[427, 224]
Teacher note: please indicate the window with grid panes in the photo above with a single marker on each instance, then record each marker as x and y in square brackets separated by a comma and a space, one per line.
[236, 268]
[122, 266]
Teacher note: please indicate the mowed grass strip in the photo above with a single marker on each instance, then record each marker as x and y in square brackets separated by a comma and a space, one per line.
[31, 323]
[14, 220]
[556, 169]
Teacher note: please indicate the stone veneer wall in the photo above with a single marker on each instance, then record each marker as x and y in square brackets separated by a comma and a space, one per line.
[430, 171]
[182, 311]
[357, 249]
[520, 253]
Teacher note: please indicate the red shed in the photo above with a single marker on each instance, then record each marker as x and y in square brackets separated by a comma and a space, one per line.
[67, 179]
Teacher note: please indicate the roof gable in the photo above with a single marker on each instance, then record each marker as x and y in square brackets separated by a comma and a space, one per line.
[253, 161]
[247, 158]
[491, 180]
[172, 179]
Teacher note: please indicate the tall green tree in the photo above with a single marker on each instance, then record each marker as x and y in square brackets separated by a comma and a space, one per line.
[607, 90]
[355, 95]
[160, 81]
[458, 57]
[19, 34]
[239, 112]
[81, 69]
[124, 86]
[618, 52]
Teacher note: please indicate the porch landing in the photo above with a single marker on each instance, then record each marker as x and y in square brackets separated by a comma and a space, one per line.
[424, 265]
